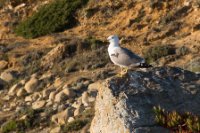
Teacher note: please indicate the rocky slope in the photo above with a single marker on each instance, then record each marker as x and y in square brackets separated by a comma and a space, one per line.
[126, 104]
[50, 83]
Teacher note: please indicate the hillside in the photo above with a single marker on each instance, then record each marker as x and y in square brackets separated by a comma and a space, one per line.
[49, 78]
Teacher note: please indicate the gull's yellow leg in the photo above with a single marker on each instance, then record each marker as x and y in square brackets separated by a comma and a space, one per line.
[121, 72]
[126, 70]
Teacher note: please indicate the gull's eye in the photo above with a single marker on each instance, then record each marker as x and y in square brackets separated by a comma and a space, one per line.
[112, 37]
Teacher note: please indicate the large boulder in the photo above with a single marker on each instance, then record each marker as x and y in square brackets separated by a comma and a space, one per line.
[125, 105]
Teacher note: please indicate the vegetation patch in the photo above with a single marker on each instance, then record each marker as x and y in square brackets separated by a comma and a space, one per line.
[154, 53]
[75, 125]
[175, 14]
[86, 54]
[2, 3]
[9, 126]
[94, 43]
[183, 50]
[91, 11]
[80, 121]
[177, 122]
[30, 119]
[54, 17]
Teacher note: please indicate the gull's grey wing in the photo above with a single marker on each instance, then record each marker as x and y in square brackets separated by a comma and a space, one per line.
[125, 57]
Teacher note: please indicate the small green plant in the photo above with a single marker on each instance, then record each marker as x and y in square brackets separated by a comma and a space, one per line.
[94, 43]
[154, 53]
[90, 12]
[181, 51]
[2, 3]
[175, 121]
[9, 126]
[156, 4]
[75, 125]
[80, 121]
[54, 17]
[4, 57]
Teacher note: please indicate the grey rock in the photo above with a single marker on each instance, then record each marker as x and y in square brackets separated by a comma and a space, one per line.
[85, 99]
[61, 96]
[8, 76]
[21, 92]
[31, 85]
[62, 117]
[13, 90]
[38, 104]
[3, 64]
[126, 103]
[69, 92]
[55, 55]
[56, 130]
[78, 110]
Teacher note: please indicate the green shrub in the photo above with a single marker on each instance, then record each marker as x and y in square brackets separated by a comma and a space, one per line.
[54, 17]
[183, 50]
[94, 43]
[75, 125]
[91, 11]
[154, 53]
[9, 126]
[175, 121]
[2, 3]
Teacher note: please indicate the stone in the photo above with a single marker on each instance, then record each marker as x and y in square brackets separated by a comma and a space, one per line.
[53, 56]
[3, 64]
[6, 98]
[79, 86]
[8, 76]
[71, 119]
[69, 92]
[94, 86]
[126, 103]
[57, 82]
[60, 97]
[21, 92]
[91, 99]
[28, 99]
[22, 82]
[36, 96]
[77, 103]
[56, 130]
[31, 85]
[46, 92]
[49, 103]
[38, 104]
[78, 110]
[52, 96]
[13, 90]
[61, 107]
[85, 99]
[62, 117]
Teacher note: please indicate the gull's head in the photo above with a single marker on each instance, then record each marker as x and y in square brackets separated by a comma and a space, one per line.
[113, 39]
